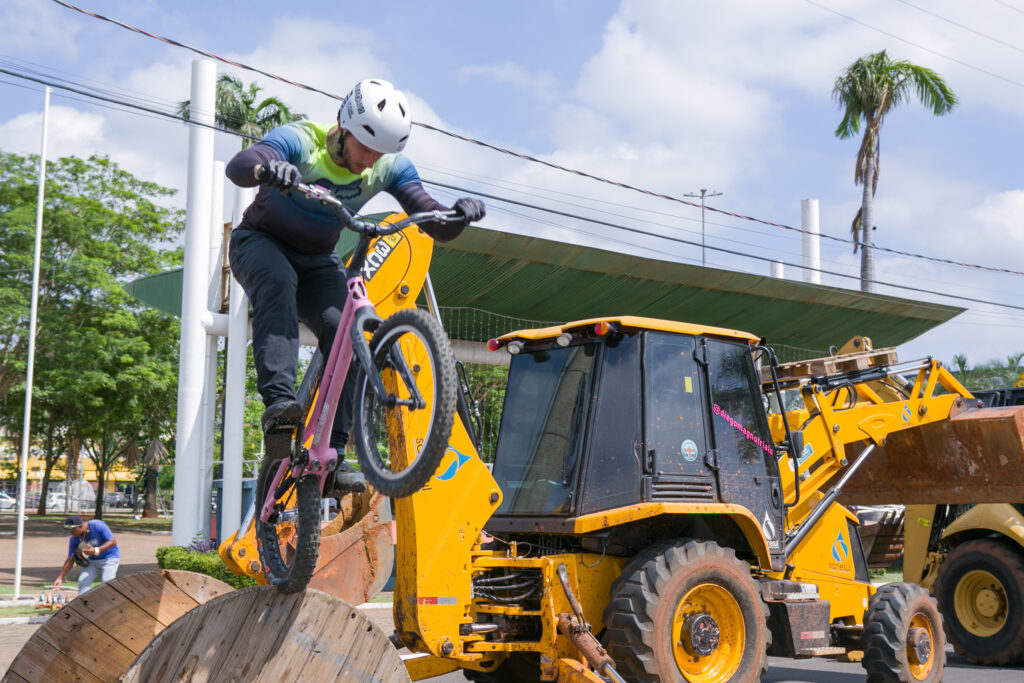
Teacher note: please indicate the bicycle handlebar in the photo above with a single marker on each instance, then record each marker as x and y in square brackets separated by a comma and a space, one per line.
[349, 220]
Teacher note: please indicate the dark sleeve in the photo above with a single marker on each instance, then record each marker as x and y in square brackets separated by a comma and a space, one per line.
[241, 169]
[414, 198]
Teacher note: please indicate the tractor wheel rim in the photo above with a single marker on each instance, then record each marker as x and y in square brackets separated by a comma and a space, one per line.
[708, 619]
[920, 646]
[980, 603]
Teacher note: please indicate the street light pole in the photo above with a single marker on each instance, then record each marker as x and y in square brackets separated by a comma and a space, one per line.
[703, 193]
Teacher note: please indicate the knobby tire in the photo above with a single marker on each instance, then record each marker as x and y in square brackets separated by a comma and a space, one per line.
[374, 441]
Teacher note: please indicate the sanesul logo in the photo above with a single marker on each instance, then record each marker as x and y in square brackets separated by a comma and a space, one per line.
[840, 551]
[454, 464]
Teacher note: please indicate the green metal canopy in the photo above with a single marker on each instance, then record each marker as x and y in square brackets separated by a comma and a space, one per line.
[538, 279]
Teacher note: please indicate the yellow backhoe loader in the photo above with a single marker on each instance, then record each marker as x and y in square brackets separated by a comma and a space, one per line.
[646, 518]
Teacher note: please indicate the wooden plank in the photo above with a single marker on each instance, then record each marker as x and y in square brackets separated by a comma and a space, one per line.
[261, 634]
[156, 596]
[118, 617]
[267, 615]
[306, 634]
[199, 642]
[40, 661]
[199, 587]
[86, 645]
[345, 646]
[832, 365]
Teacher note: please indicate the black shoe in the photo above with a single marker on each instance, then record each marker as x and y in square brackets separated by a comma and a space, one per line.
[347, 479]
[283, 414]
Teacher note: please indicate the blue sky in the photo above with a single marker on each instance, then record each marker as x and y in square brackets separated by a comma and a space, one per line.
[667, 95]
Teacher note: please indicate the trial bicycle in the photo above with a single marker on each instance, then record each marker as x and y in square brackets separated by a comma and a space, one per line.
[405, 403]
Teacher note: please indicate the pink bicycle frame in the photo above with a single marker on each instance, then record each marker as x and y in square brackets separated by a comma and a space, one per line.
[322, 458]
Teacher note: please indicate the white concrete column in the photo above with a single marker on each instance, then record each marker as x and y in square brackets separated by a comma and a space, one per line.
[811, 240]
[192, 352]
[209, 410]
[778, 270]
[234, 387]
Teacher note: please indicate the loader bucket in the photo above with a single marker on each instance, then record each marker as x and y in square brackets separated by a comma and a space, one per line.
[976, 456]
[356, 550]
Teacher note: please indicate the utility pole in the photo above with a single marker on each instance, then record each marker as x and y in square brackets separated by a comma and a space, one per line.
[703, 193]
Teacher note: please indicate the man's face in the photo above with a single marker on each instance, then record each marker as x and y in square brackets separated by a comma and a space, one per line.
[355, 156]
[80, 530]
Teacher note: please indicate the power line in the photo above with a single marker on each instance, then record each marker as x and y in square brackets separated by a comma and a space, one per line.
[1008, 5]
[533, 206]
[908, 42]
[549, 164]
[122, 103]
[723, 249]
[961, 26]
[174, 116]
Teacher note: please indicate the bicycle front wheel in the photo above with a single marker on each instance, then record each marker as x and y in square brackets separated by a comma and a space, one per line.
[289, 542]
[401, 435]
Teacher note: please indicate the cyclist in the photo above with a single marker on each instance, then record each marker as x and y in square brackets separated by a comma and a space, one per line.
[283, 253]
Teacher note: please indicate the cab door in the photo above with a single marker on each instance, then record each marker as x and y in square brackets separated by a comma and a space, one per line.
[675, 428]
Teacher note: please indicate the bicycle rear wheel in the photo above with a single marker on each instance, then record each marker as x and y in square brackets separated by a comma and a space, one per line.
[401, 445]
[289, 542]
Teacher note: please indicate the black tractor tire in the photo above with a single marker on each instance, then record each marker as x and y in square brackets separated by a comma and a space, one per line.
[980, 590]
[653, 593]
[902, 639]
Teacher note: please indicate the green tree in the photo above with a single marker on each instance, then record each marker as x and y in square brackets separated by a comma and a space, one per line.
[867, 91]
[995, 374]
[105, 367]
[239, 111]
[487, 386]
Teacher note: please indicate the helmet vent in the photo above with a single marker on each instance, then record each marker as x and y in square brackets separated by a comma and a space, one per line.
[401, 109]
[375, 82]
[369, 130]
[381, 105]
[402, 141]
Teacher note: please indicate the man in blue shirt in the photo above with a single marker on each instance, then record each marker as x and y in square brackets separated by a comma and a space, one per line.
[96, 548]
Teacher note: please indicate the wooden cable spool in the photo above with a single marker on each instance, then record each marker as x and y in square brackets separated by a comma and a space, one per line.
[97, 636]
[261, 634]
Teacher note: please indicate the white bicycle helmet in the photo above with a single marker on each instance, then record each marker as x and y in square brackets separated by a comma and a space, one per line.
[378, 115]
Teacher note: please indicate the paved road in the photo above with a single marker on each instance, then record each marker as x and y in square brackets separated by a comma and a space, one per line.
[780, 670]
[827, 671]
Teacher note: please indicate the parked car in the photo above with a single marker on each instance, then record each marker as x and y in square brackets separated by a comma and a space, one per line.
[7, 502]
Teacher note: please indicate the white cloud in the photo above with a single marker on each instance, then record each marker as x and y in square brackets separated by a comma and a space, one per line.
[542, 86]
[29, 24]
[70, 132]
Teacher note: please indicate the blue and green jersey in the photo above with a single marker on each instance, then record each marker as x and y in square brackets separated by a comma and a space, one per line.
[307, 225]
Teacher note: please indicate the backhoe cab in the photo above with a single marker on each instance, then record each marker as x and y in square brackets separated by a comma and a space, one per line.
[646, 492]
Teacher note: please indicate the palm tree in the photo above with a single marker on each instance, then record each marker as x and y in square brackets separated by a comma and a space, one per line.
[237, 110]
[868, 89]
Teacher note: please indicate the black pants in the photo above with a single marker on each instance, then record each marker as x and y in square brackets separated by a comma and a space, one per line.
[286, 286]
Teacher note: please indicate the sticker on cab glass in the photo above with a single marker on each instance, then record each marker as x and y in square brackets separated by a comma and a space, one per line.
[689, 449]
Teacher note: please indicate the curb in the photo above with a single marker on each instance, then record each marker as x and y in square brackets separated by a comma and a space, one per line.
[7, 621]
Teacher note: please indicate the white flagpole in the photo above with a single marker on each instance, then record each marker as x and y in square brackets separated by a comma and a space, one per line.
[25, 432]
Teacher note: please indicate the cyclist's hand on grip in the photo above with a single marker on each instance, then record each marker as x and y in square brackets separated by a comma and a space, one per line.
[470, 210]
[280, 174]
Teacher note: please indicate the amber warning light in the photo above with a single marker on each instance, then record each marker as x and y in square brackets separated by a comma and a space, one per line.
[602, 328]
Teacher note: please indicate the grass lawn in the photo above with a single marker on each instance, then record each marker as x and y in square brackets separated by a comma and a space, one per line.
[114, 520]
[24, 611]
